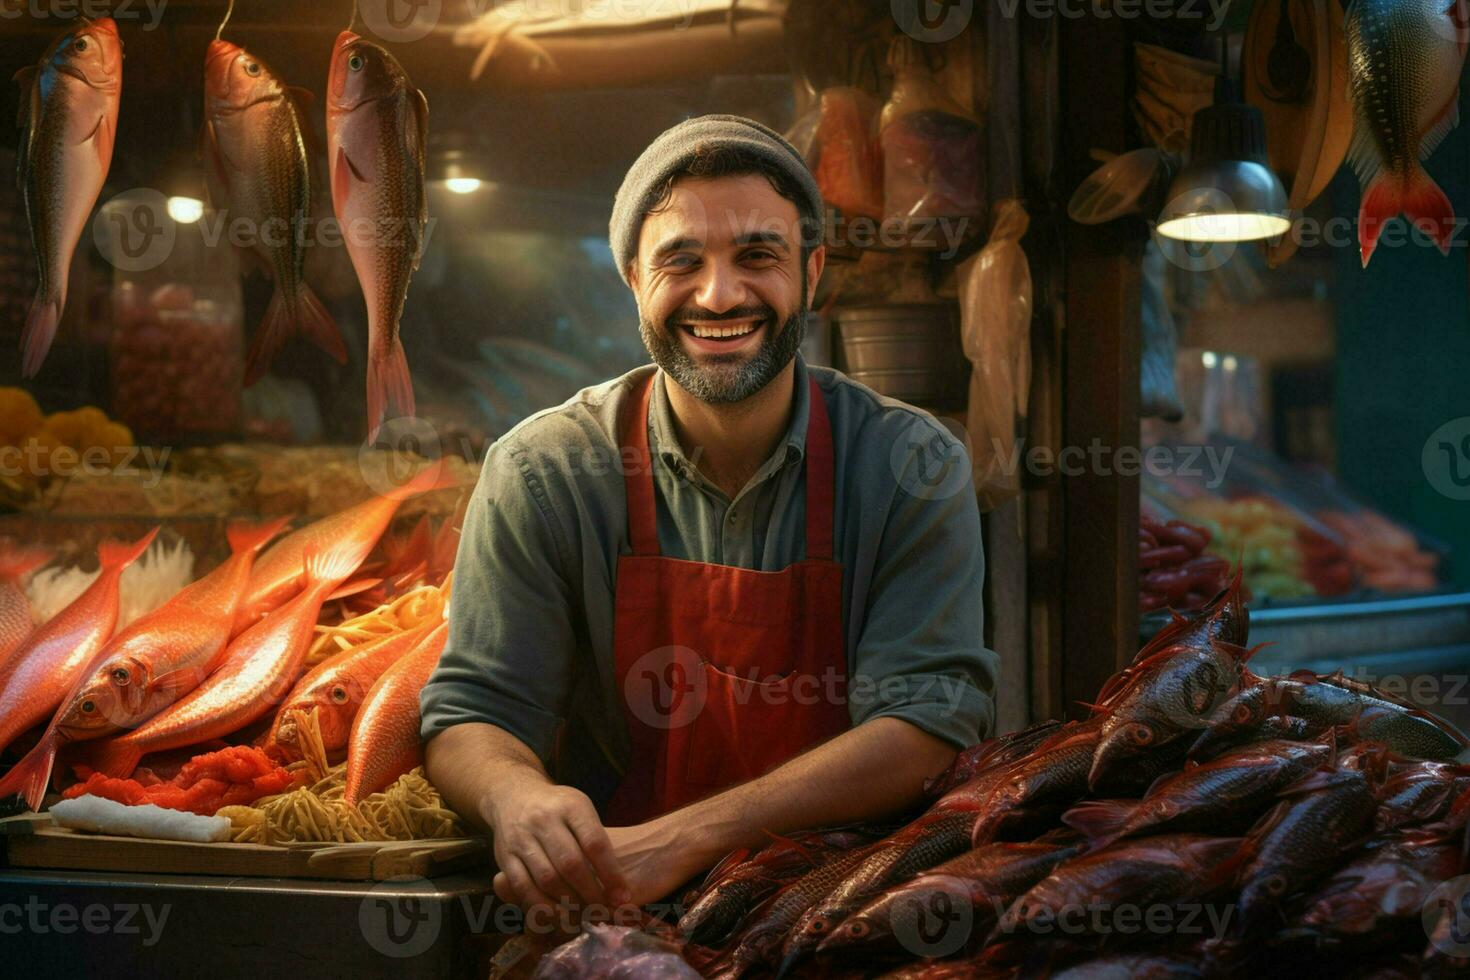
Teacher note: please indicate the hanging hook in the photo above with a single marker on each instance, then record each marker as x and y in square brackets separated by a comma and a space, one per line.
[228, 11]
[353, 19]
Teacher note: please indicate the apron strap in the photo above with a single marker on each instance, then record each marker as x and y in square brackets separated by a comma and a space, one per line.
[820, 498]
[638, 475]
[638, 472]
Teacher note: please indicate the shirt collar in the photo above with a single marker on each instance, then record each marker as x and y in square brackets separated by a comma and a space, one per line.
[665, 440]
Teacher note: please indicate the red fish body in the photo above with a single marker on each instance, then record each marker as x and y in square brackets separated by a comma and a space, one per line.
[257, 159]
[277, 573]
[336, 688]
[1216, 796]
[1389, 882]
[1404, 63]
[155, 660]
[377, 134]
[15, 609]
[68, 122]
[39, 674]
[257, 670]
[385, 740]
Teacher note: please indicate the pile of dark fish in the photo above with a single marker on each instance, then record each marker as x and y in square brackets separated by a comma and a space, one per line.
[1203, 821]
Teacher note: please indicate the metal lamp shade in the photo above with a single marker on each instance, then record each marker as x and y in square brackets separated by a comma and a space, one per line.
[1227, 192]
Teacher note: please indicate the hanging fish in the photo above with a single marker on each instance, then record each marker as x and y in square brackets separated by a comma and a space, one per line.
[377, 129]
[257, 160]
[68, 122]
[1404, 62]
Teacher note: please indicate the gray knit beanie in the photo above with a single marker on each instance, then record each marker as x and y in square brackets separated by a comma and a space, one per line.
[673, 151]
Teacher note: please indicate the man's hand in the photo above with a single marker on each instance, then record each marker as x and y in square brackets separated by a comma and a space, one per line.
[551, 846]
[656, 857]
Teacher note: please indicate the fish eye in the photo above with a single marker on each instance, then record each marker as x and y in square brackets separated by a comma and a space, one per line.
[356, 62]
[339, 695]
[88, 706]
[120, 675]
[80, 44]
[1140, 733]
[252, 68]
[1276, 884]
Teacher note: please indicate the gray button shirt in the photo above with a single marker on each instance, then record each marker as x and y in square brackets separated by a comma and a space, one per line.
[531, 617]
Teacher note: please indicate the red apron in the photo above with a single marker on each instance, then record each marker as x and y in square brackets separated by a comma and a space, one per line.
[725, 672]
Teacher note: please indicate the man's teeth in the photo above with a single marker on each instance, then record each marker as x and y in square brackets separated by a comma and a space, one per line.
[714, 331]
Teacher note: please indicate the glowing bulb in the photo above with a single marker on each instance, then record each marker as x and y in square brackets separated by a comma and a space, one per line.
[185, 210]
[1230, 363]
[462, 185]
[1209, 358]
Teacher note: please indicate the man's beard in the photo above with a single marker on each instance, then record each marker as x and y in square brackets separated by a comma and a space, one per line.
[728, 379]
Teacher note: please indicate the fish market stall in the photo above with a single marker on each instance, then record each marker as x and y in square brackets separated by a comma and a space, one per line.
[1053, 386]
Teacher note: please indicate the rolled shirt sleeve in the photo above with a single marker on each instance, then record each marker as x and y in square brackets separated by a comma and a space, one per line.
[921, 654]
[511, 644]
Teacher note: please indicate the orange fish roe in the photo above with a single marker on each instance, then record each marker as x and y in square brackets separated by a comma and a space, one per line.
[238, 775]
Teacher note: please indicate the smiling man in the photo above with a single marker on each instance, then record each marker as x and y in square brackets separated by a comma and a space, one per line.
[724, 595]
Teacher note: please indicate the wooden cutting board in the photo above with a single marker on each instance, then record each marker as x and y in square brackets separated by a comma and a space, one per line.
[57, 847]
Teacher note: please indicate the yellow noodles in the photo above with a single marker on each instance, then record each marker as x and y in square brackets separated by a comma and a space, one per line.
[425, 604]
[410, 809]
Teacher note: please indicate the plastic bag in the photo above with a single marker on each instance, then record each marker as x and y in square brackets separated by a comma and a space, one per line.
[995, 323]
[932, 147]
[849, 166]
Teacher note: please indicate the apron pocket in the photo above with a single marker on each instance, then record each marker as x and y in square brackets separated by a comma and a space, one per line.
[745, 728]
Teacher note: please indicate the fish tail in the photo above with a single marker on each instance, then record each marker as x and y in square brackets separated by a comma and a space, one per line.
[330, 567]
[1418, 198]
[39, 332]
[389, 386]
[29, 777]
[1100, 821]
[252, 536]
[17, 561]
[116, 554]
[286, 316]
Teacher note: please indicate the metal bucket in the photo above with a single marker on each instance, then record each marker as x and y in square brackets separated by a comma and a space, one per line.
[911, 352]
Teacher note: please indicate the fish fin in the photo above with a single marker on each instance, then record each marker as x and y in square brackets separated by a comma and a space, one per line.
[419, 147]
[329, 567]
[343, 174]
[113, 757]
[1420, 200]
[39, 332]
[180, 682]
[29, 777]
[252, 536]
[116, 554]
[26, 115]
[17, 561]
[353, 588]
[101, 138]
[214, 159]
[1100, 821]
[283, 318]
[389, 386]
[1449, 118]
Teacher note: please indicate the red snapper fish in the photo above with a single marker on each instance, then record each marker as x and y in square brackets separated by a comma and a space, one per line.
[15, 609]
[258, 669]
[377, 131]
[68, 122]
[43, 669]
[257, 158]
[385, 741]
[277, 574]
[154, 661]
[1404, 62]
